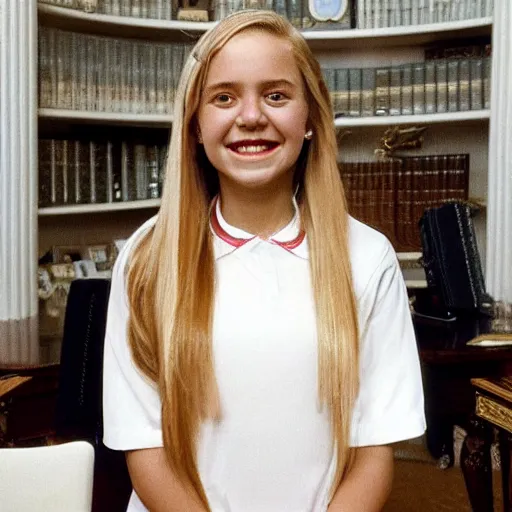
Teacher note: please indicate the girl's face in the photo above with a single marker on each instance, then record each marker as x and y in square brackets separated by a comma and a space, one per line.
[253, 112]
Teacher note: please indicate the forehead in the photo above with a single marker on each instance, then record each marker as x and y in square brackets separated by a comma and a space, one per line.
[254, 55]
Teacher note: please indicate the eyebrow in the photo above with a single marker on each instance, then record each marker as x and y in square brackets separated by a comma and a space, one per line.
[266, 84]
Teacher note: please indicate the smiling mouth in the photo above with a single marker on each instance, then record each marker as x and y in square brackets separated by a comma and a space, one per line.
[256, 147]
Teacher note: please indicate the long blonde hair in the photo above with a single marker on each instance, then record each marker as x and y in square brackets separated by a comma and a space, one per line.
[170, 281]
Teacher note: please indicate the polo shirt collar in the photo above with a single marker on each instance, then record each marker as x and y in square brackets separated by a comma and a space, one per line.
[228, 239]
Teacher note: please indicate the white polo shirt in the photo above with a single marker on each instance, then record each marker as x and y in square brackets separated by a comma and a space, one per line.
[272, 450]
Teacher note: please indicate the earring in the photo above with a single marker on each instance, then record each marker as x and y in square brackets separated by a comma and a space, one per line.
[199, 137]
[308, 135]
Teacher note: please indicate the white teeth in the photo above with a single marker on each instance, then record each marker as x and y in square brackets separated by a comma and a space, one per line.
[251, 149]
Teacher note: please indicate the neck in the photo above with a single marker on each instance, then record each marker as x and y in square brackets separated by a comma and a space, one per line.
[259, 212]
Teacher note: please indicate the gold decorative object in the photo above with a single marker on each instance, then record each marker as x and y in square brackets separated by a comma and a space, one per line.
[400, 139]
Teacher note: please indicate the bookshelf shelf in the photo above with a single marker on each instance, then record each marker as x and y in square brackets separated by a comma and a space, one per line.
[111, 118]
[448, 117]
[411, 35]
[124, 26]
[99, 208]
[165, 120]
[121, 26]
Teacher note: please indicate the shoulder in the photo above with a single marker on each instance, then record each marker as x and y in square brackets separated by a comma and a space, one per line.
[371, 254]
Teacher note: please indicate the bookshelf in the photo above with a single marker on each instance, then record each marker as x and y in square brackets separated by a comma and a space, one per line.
[422, 119]
[77, 209]
[164, 121]
[105, 118]
[125, 26]
[449, 132]
[329, 45]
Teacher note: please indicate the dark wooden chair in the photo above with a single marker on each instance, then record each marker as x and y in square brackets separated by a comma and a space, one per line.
[79, 410]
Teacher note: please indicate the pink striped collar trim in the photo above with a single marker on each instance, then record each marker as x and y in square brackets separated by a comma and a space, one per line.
[236, 243]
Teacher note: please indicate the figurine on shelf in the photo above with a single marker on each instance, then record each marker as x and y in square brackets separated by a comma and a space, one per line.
[400, 139]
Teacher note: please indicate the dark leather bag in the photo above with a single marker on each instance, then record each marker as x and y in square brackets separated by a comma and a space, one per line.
[450, 257]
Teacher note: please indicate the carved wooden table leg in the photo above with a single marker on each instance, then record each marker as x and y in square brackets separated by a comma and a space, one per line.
[505, 440]
[475, 462]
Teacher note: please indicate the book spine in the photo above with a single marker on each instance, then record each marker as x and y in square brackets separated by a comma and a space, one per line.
[406, 12]
[102, 64]
[140, 172]
[341, 101]
[360, 20]
[442, 85]
[66, 177]
[453, 85]
[110, 174]
[294, 12]
[382, 77]
[430, 87]
[44, 69]
[464, 90]
[486, 81]
[476, 84]
[45, 172]
[280, 7]
[329, 76]
[92, 172]
[354, 76]
[124, 172]
[52, 63]
[368, 17]
[419, 88]
[407, 104]
[395, 91]
[77, 171]
[368, 92]
[377, 21]
[115, 7]
[415, 15]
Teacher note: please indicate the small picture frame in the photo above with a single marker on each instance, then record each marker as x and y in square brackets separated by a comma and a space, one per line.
[67, 253]
[98, 253]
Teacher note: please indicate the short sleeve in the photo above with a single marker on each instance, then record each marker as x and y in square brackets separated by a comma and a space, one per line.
[390, 405]
[131, 403]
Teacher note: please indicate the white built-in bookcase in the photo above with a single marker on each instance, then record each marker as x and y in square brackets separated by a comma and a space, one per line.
[453, 132]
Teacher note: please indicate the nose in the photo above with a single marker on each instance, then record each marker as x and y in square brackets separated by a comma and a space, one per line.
[251, 115]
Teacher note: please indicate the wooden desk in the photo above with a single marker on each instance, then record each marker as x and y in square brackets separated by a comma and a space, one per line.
[448, 365]
[494, 410]
[27, 404]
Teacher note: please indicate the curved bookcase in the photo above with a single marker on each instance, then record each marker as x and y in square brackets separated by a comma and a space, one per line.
[124, 26]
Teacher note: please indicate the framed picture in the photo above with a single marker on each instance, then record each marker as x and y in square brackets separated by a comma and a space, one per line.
[98, 253]
[68, 253]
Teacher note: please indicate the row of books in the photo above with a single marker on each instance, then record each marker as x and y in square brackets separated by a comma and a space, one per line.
[391, 195]
[85, 72]
[358, 13]
[435, 86]
[88, 172]
[397, 13]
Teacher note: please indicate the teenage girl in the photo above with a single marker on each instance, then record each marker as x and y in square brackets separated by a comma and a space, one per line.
[259, 354]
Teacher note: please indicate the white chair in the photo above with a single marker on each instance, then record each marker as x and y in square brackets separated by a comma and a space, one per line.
[55, 478]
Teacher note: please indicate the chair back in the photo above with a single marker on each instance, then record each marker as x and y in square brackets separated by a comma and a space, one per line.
[79, 412]
[79, 400]
[57, 478]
